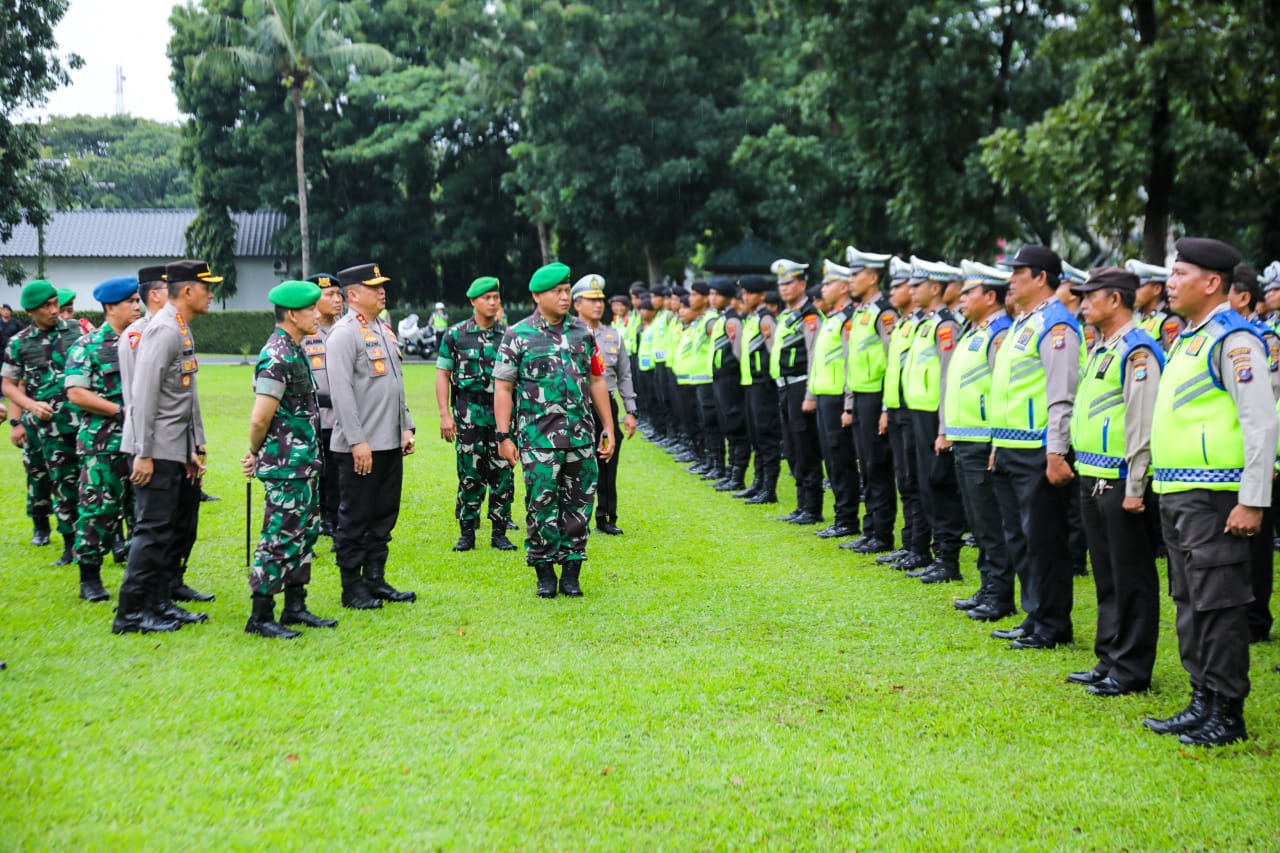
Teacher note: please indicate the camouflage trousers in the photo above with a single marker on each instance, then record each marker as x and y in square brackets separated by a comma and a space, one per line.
[53, 453]
[106, 500]
[560, 486]
[480, 468]
[39, 489]
[290, 527]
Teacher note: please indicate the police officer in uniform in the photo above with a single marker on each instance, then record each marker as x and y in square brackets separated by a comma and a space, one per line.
[33, 376]
[372, 434]
[930, 354]
[764, 425]
[93, 386]
[548, 378]
[789, 360]
[967, 429]
[1213, 490]
[284, 453]
[1152, 313]
[164, 431]
[827, 372]
[663, 407]
[1111, 435]
[701, 366]
[464, 396]
[726, 383]
[870, 332]
[588, 302]
[314, 345]
[1033, 388]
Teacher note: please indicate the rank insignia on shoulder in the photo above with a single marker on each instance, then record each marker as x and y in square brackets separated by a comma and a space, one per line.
[1140, 375]
[811, 322]
[947, 338]
[1195, 346]
[1244, 373]
[1059, 340]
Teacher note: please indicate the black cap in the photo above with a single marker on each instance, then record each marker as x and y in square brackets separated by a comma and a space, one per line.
[723, 286]
[366, 274]
[147, 274]
[756, 283]
[324, 279]
[1110, 278]
[700, 286]
[1040, 257]
[189, 270]
[1207, 253]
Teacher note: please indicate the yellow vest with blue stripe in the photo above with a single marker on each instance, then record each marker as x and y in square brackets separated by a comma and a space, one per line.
[1019, 404]
[827, 376]
[644, 352]
[867, 357]
[1097, 419]
[896, 360]
[1196, 438]
[659, 331]
[967, 411]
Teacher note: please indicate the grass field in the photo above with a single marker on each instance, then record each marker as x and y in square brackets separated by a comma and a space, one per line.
[728, 682]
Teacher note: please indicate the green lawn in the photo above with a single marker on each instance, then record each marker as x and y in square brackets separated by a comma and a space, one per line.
[728, 682]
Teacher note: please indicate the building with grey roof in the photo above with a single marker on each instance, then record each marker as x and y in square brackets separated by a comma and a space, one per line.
[85, 247]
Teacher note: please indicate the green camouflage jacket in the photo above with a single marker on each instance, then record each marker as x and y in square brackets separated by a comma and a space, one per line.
[39, 359]
[292, 446]
[94, 363]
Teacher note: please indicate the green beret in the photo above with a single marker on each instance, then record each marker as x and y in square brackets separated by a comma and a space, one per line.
[36, 294]
[294, 294]
[66, 296]
[552, 275]
[481, 286]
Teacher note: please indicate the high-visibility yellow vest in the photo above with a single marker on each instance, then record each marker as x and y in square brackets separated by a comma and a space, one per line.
[967, 411]
[867, 355]
[922, 376]
[899, 347]
[1019, 405]
[755, 356]
[1098, 417]
[827, 375]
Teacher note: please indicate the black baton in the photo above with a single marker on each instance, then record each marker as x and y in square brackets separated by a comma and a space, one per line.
[248, 520]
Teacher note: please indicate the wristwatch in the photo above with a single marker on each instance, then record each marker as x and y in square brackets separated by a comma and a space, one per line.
[15, 421]
[501, 436]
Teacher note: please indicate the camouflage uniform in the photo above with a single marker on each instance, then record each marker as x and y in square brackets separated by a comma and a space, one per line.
[468, 352]
[105, 496]
[38, 359]
[289, 465]
[39, 489]
[554, 428]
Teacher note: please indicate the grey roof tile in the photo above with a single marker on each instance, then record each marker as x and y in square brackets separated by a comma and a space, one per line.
[137, 234]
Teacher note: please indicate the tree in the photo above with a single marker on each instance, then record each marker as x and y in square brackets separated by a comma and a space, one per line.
[29, 71]
[118, 161]
[301, 45]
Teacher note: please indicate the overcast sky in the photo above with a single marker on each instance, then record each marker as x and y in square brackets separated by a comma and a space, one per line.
[106, 33]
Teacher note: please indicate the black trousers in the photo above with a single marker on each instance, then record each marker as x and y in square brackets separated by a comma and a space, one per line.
[672, 389]
[709, 424]
[764, 426]
[607, 484]
[915, 530]
[982, 508]
[329, 481]
[164, 529]
[1040, 509]
[875, 464]
[1126, 579]
[1262, 570]
[730, 398]
[1076, 540]
[801, 447]
[841, 460]
[368, 509]
[1211, 587]
[660, 411]
[939, 488]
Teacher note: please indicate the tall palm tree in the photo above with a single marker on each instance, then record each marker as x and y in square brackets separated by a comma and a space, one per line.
[302, 45]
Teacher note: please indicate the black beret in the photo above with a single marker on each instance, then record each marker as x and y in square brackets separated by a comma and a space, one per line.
[1040, 257]
[1207, 253]
[620, 297]
[772, 298]
[679, 290]
[147, 274]
[646, 304]
[638, 287]
[700, 286]
[723, 286]
[814, 292]
[756, 283]
[658, 290]
[323, 280]
[684, 300]
[1111, 278]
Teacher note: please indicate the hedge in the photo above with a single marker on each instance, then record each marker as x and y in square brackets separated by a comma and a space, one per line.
[227, 332]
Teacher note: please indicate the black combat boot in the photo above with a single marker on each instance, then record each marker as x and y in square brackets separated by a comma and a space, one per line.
[732, 481]
[354, 594]
[757, 483]
[1223, 726]
[376, 582]
[546, 579]
[1189, 718]
[569, 579]
[768, 493]
[40, 529]
[91, 588]
[134, 617]
[181, 592]
[295, 610]
[467, 541]
[262, 621]
[120, 550]
[498, 538]
[68, 552]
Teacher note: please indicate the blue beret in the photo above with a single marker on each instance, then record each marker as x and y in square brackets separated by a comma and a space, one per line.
[115, 290]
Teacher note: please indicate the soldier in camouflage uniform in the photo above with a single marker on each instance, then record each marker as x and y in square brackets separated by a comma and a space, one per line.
[33, 380]
[464, 373]
[284, 453]
[94, 387]
[548, 366]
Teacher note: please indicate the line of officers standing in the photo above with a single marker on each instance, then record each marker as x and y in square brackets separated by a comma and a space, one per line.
[1041, 408]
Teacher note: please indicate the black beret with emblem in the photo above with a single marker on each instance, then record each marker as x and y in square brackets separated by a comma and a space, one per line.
[323, 280]
[700, 286]
[723, 286]
[756, 283]
[1208, 254]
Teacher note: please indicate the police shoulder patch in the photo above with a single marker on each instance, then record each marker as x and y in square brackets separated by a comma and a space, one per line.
[1244, 373]
[134, 338]
[946, 337]
[811, 322]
